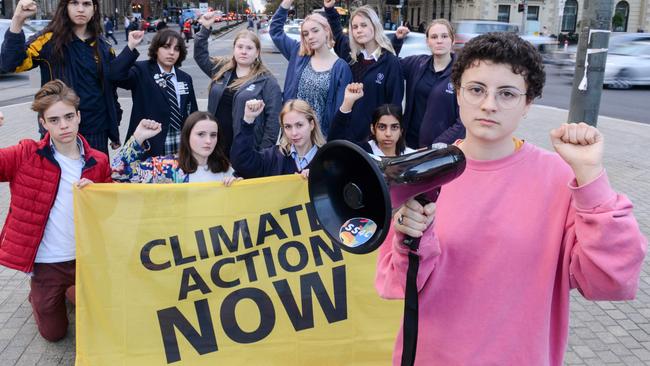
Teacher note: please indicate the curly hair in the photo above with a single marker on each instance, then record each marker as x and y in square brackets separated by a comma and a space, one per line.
[503, 48]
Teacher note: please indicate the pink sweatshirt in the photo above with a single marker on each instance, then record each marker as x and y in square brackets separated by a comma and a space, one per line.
[510, 239]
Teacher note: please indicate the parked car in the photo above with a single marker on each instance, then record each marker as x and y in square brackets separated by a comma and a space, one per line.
[414, 44]
[293, 31]
[151, 25]
[28, 29]
[39, 24]
[468, 29]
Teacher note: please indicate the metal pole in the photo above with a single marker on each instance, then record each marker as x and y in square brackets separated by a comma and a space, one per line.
[524, 17]
[590, 61]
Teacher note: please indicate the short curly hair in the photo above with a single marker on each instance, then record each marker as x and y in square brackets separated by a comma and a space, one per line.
[163, 37]
[503, 48]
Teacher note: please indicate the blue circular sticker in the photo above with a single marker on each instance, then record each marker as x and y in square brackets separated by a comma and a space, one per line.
[357, 231]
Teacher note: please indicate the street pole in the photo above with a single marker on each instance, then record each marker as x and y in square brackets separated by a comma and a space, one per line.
[524, 17]
[590, 61]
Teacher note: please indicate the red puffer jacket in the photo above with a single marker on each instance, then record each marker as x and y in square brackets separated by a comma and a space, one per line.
[33, 175]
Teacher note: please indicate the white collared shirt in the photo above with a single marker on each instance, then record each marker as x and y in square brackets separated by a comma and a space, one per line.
[372, 56]
[303, 161]
[175, 81]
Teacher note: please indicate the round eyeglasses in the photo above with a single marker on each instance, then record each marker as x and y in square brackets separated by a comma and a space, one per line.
[507, 98]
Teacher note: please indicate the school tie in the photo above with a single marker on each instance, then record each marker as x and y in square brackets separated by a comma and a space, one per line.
[175, 115]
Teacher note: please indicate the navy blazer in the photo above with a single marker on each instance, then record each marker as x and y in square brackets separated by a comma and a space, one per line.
[149, 100]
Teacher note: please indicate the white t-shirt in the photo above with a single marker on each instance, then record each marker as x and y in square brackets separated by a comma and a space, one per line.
[377, 151]
[58, 244]
[203, 174]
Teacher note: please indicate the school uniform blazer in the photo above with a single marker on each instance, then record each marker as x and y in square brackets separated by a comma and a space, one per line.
[149, 100]
[340, 75]
[264, 87]
[382, 81]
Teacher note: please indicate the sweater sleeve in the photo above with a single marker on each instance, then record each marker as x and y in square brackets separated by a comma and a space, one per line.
[286, 45]
[201, 54]
[393, 262]
[606, 245]
[395, 83]
[122, 71]
[272, 96]
[247, 162]
[339, 129]
[18, 56]
[341, 41]
[128, 166]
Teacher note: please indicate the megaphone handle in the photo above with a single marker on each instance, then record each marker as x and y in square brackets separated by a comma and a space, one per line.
[414, 243]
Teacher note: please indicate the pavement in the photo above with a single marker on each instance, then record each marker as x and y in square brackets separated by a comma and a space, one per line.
[601, 333]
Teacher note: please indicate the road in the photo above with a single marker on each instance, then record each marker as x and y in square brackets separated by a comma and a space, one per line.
[623, 104]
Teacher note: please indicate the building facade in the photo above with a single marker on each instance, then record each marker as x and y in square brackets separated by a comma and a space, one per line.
[550, 16]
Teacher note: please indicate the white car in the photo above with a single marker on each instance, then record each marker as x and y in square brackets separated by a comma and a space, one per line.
[414, 44]
[292, 31]
[628, 65]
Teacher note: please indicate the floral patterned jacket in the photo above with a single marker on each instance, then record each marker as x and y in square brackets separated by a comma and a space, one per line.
[128, 167]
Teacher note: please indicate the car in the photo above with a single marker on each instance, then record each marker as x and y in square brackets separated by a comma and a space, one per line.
[39, 24]
[628, 65]
[468, 29]
[414, 44]
[28, 29]
[292, 31]
[151, 25]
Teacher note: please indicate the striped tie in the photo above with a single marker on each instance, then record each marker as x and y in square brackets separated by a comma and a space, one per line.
[175, 115]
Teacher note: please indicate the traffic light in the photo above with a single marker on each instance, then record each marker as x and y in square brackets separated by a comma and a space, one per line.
[520, 7]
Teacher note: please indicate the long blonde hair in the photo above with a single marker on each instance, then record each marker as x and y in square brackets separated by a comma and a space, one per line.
[381, 39]
[300, 106]
[305, 50]
[225, 64]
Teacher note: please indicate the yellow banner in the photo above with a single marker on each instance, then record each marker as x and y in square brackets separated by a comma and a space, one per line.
[201, 274]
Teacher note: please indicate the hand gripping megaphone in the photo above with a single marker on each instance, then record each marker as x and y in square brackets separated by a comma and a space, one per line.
[354, 193]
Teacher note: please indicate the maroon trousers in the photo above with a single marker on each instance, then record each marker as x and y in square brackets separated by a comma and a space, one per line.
[51, 284]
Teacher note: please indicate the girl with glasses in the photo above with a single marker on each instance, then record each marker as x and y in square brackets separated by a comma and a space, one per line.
[506, 241]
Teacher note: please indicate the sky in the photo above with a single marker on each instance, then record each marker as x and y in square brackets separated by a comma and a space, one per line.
[257, 4]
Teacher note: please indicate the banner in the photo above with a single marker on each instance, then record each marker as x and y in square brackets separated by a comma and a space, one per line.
[202, 274]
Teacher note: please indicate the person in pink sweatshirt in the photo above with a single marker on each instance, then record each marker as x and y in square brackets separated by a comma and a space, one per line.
[520, 228]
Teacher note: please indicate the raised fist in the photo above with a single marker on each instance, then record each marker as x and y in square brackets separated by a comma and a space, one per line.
[146, 129]
[254, 108]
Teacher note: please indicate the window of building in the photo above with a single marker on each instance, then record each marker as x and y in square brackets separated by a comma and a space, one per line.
[621, 15]
[504, 13]
[533, 13]
[570, 16]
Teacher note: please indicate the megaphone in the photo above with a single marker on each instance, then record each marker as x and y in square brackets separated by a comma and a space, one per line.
[354, 193]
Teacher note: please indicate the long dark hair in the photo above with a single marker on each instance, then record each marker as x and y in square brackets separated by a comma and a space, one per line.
[62, 34]
[396, 112]
[217, 161]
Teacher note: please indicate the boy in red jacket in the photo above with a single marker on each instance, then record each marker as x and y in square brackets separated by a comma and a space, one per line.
[38, 235]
